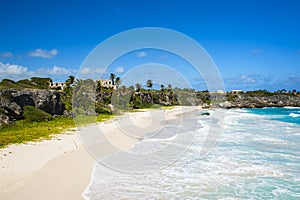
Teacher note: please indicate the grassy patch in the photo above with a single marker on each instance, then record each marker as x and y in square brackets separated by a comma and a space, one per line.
[33, 114]
[24, 131]
[83, 120]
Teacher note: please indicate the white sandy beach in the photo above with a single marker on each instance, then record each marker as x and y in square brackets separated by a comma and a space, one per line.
[61, 168]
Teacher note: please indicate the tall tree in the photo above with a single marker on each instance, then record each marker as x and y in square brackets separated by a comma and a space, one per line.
[137, 87]
[118, 81]
[112, 78]
[78, 85]
[162, 87]
[71, 79]
[131, 88]
[149, 83]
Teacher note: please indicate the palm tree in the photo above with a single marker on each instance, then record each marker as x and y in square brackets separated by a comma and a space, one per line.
[131, 88]
[137, 87]
[71, 79]
[118, 81]
[162, 88]
[78, 86]
[112, 78]
[149, 83]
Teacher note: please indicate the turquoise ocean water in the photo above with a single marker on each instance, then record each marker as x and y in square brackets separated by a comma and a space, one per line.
[256, 157]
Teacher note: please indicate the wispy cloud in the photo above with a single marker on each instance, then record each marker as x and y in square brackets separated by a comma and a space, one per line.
[293, 80]
[7, 54]
[141, 54]
[248, 82]
[55, 70]
[256, 82]
[43, 53]
[91, 71]
[256, 51]
[119, 70]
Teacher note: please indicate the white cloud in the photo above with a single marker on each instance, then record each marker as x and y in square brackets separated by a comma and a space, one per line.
[248, 79]
[55, 70]
[91, 71]
[252, 82]
[43, 53]
[245, 79]
[120, 70]
[256, 51]
[142, 54]
[7, 54]
[12, 71]
[17, 72]
[295, 79]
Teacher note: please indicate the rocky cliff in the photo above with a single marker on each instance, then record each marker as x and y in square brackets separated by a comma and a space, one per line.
[12, 102]
[258, 101]
[215, 100]
[146, 99]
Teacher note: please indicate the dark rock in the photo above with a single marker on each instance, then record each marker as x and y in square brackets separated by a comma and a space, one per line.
[250, 101]
[11, 109]
[205, 113]
[12, 101]
[4, 120]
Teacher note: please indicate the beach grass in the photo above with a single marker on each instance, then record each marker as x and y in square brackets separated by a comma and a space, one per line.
[24, 131]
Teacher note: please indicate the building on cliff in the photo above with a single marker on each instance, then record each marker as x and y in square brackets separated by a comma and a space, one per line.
[107, 83]
[236, 91]
[57, 85]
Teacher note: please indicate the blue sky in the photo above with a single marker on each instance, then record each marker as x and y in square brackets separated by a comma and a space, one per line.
[255, 44]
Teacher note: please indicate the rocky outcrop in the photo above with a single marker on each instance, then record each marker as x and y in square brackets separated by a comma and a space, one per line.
[146, 99]
[255, 101]
[215, 100]
[4, 120]
[12, 102]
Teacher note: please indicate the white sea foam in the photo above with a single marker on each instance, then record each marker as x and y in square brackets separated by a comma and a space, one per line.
[290, 107]
[294, 115]
[254, 158]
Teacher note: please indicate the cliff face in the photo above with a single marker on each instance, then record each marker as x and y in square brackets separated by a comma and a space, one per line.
[140, 99]
[216, 100]
[12, 102]
[255, 101]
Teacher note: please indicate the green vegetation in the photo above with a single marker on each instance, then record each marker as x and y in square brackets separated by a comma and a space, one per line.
[2, 111]
[260, 93]
[33, 83]
[231, 97]
[33, 114]
[83, 120]
[24, 131]
[149, 83]
[92, 102]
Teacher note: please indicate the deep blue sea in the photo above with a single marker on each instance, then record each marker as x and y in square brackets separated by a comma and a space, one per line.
[256, 157]
[285, 114]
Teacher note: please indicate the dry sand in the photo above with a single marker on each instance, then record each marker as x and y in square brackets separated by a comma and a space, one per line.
[61, 168]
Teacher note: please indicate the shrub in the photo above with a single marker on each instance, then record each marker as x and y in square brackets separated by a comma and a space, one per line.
[231, 97]
[2, 111]
[33, 114]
